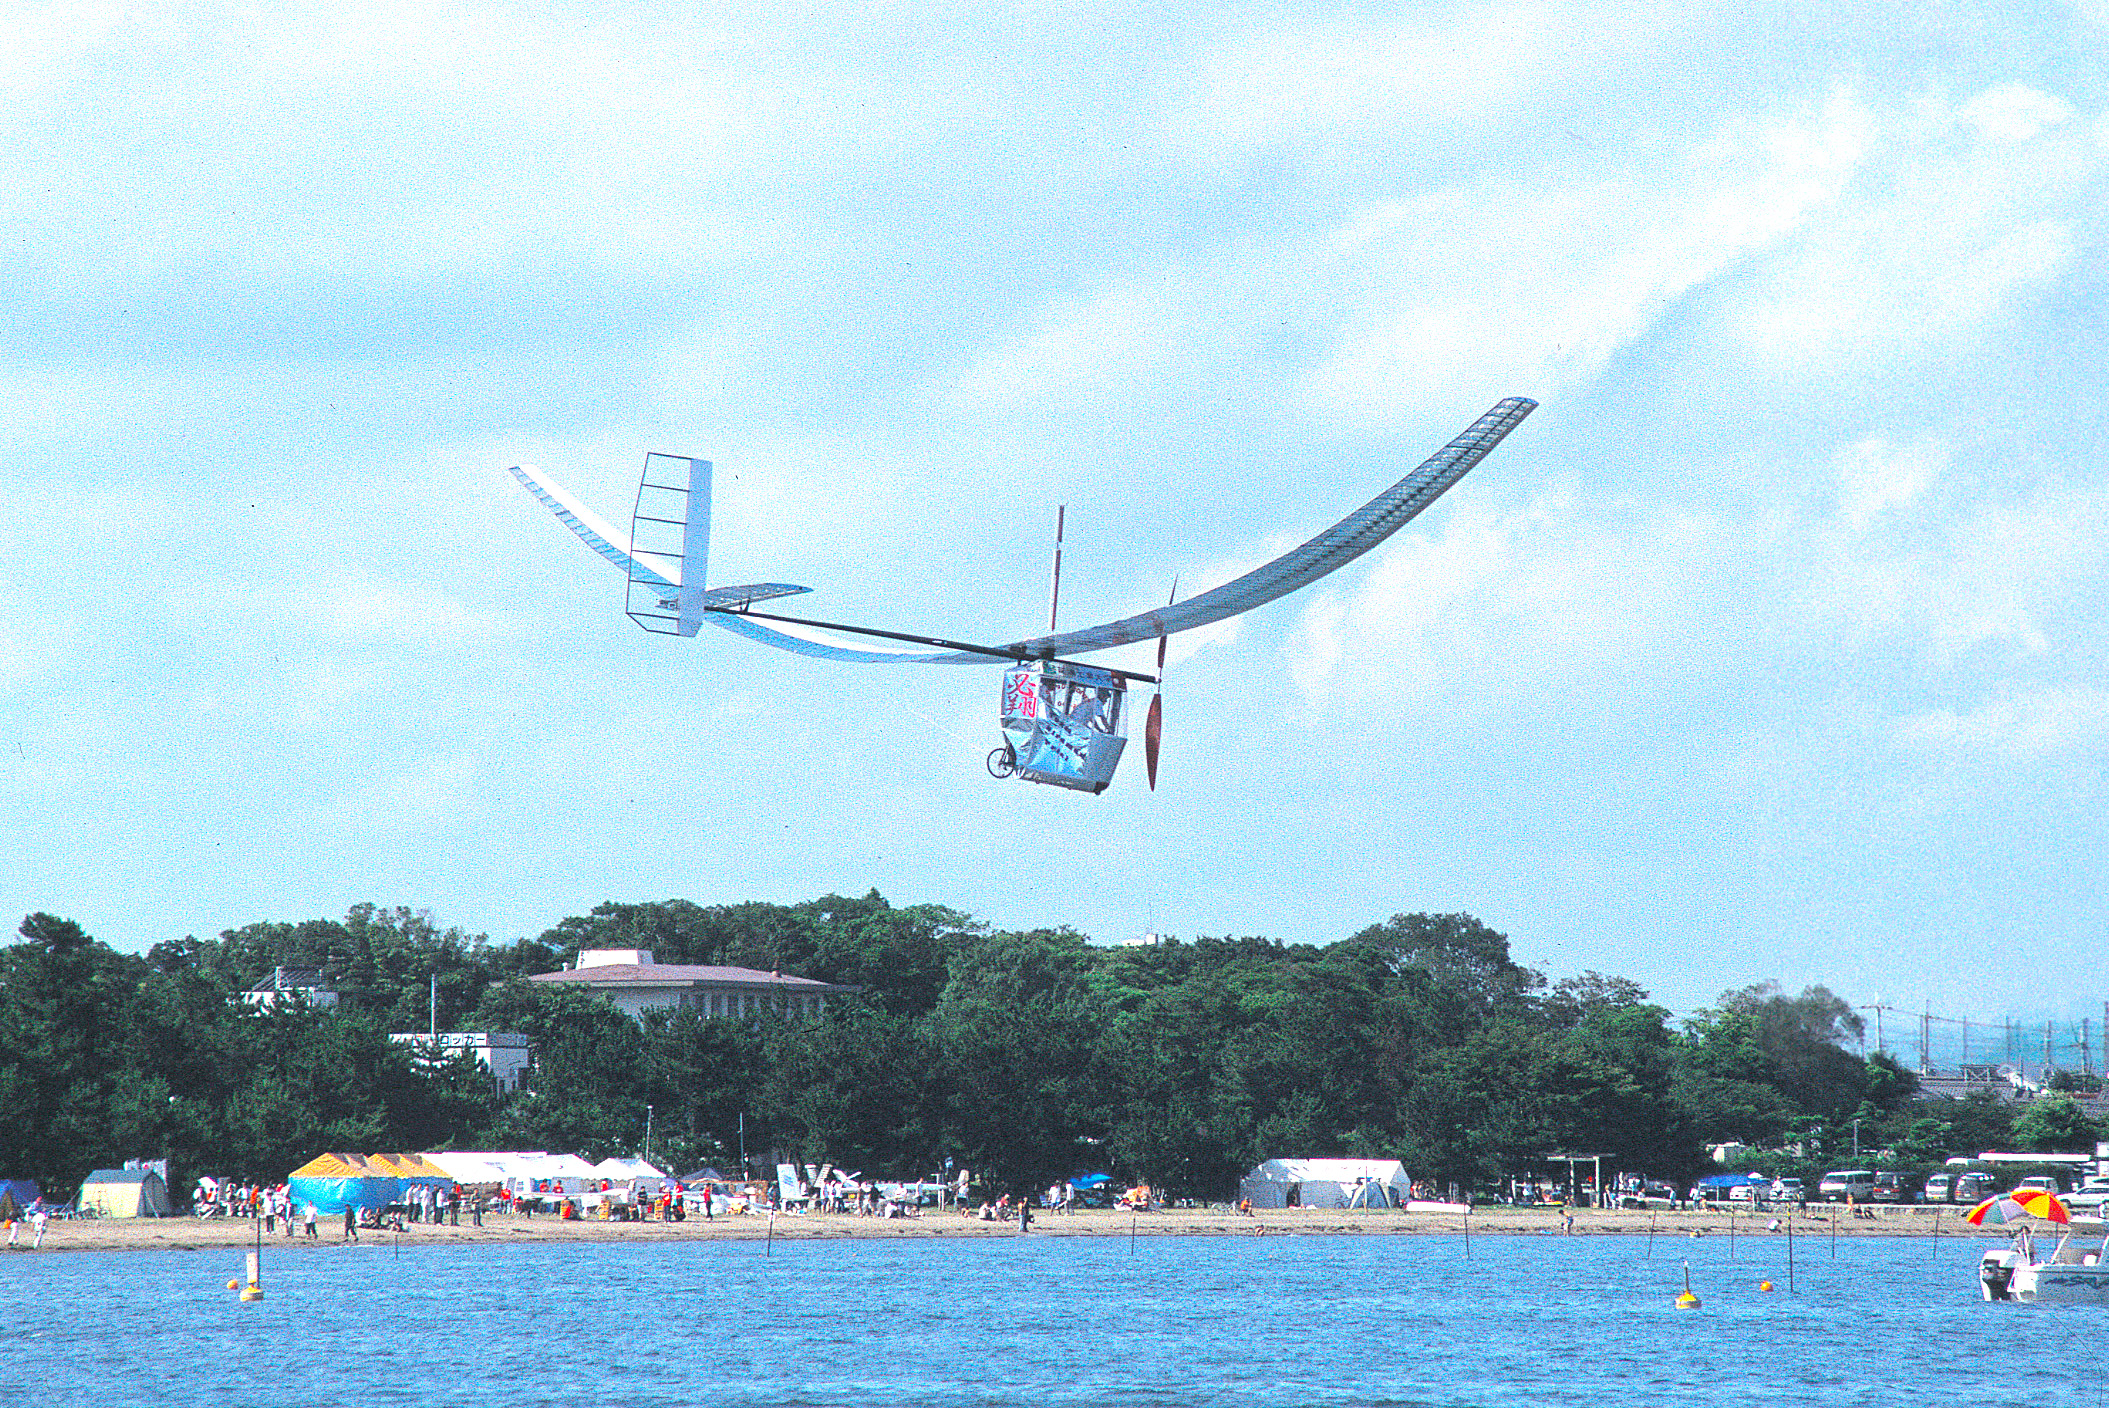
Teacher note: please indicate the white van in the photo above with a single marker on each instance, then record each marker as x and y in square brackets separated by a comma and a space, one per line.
[1840, 1184]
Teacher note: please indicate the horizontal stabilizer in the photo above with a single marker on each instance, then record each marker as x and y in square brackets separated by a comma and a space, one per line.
[733, 598]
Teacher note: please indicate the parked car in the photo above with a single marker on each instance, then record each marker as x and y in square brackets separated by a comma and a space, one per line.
[2042, 1183]
[1896, 1188]
[1936, 1189]
[1652, 1195]
[1788, 1190]
[1746, 1193]
[1973, 1188]
[1842, 1183]
[2090, 1196]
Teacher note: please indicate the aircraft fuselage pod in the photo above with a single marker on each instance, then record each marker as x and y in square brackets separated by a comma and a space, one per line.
[1063, 723]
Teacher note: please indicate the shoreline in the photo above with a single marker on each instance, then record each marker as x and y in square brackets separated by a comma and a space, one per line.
[236, 1234]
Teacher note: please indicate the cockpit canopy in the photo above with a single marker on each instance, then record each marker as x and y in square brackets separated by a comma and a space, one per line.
[1065, 723]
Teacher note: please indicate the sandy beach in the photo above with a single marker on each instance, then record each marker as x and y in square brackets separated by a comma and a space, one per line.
[190, 1233]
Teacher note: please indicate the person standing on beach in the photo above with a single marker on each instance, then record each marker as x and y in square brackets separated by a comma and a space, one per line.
[351, 1223]
[311, 1220]
[41, 1219]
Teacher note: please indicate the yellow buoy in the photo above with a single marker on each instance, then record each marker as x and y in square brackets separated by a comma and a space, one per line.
[252, 1292]
[233, 1285]
[1764, 1285]
[1687, 1301]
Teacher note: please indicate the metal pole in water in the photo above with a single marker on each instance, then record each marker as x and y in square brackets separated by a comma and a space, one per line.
[1936, 1231]
[1468, 1231]
[1731, 1232]
[1651, 1234]
[1790, 1253]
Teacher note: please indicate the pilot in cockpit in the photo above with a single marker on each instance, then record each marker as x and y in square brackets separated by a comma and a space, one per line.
[1092, 708]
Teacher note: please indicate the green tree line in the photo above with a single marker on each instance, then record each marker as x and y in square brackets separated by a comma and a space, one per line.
[1027, 1056]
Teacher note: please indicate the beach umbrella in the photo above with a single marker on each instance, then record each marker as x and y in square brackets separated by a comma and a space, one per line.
[2012, 1207]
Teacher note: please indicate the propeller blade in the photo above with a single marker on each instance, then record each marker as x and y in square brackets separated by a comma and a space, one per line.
[1153, 729]
[1152, 735]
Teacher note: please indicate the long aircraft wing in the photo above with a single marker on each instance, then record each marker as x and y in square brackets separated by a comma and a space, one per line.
[1352, 536]
[1331, 550]
[595, 532]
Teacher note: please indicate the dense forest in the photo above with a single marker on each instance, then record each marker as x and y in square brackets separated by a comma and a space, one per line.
[1026, 1056]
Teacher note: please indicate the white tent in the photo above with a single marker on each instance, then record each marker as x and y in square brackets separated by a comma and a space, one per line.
[469, 1168]
[636, 1175]
[1327, 1183]
[529, 1172]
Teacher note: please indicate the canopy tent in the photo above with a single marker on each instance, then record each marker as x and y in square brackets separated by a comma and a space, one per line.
[126, 1192]
[414, 1170]
[1716, 1187]
[523, 1172]
[336, 1182]
[1326, 1183]
[554, 1175]
[634, 1174]
[1375, 1196]
[17, 1196]
[468, 1168]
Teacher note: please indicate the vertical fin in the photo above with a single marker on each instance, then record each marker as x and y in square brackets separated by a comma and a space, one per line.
[695, 546]
[670, 531]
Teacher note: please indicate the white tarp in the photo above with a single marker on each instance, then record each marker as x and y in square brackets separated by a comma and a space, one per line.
[1324, 1183]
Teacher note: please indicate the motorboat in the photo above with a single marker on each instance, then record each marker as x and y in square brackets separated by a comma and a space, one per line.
[2069, 1274]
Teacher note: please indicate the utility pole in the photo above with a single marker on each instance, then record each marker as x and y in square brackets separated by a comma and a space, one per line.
[1925, 1034]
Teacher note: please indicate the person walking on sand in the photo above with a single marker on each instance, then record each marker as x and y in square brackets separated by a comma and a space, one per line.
[310, 1221]
[41, 1220]
[351, 1224]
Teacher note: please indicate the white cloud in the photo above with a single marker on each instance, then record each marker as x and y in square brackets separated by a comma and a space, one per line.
[1557, 590]
[1953, 215]
[2036, 724]
[2014, 112]
[1874, 476]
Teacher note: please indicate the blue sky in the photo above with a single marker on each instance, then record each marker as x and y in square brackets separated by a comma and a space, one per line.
[1769, 647]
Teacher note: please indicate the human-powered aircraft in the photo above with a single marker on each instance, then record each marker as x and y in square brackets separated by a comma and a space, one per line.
[1064, 722]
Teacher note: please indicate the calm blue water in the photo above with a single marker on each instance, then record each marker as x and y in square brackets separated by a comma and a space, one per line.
[1045, 1322]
